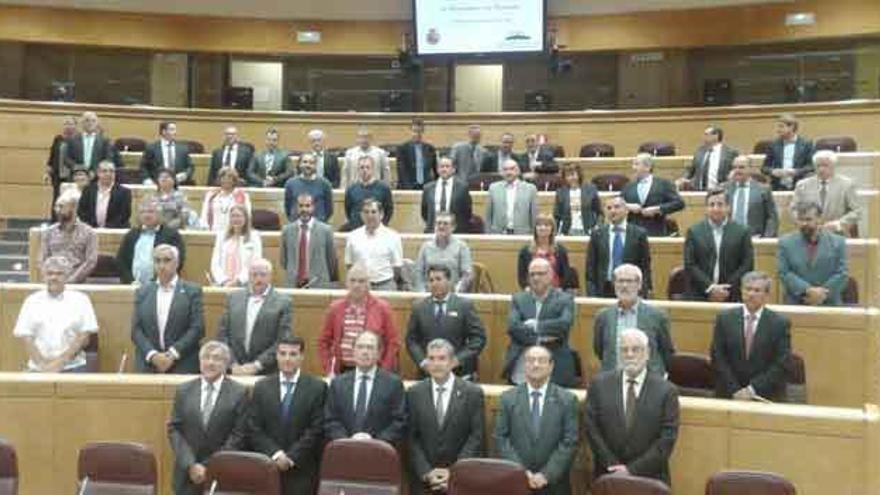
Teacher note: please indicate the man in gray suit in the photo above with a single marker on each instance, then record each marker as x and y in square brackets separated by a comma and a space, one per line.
[448, 316]
[631, 312]
[253, 321]
[467, 156]
[513, 203]
[209, 415]
[541, 315]
[270, 167]
[316, 265]
[167, 323]
[711, 163]
[632, 415]
[445, 420]
[751, 203]
[536, 426]
[812, 262]
[835, 193]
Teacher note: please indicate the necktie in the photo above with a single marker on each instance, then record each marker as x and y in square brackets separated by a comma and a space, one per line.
[270, 160]
[617, 248]
[536, 411]
[420, 163]
[438, 313]
[749, 333]
[475, 156]
[207, 404]
[360, 409]
[287, 401]
[823, 194]
[742, 193]
[443, 195]
[302, 275]
[169, 155]
[630, 403]
[227, 156]
[441, 412]
[704, 177]
[88, 144]
[643, 191]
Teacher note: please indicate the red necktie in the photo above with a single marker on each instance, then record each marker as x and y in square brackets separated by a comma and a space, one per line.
[302, 275]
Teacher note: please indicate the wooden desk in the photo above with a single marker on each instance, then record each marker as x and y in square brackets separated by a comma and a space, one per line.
[839, 345]
[822, 450]
[407, 207]
[500, 253]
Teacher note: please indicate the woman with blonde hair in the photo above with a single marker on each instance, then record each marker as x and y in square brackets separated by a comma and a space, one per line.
[218, 201]
[544, 245]
[235, 250]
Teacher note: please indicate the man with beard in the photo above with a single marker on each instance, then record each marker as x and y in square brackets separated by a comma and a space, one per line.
[70, 238]
[632, 415]
[812, 262]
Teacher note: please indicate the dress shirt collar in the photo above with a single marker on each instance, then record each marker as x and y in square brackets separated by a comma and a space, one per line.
[171, 285]
[282, 378]
[542, 389]
[715, 226]
[445, 299]
[166, 143]
[447, 386]
[621, 226]
[634, 308]
[261, 296]
[512, 184]
[746, 314]
[309, 224]
[216, 383]
[646, 179]
[639, 379]
[371, 373]
[55, 297]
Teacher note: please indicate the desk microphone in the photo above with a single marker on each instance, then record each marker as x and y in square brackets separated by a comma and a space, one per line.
[122, 361]
[213, 488]
[82, 485]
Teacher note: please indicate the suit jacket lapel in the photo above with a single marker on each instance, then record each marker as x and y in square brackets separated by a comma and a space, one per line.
[618, 402]
[150, 308]
[238, 316]
[455, 398]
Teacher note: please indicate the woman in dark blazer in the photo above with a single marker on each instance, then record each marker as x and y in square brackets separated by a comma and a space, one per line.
[587, 202]
[544, 245]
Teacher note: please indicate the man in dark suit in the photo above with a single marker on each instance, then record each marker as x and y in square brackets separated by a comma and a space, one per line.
[649, 198]
[790, 157]
[812, 261]
[167, 322]
[632, 415]
[536, 426]
[326, 162]
[253, 321]
[90, 147]
[232, 153]
[134, 259]
[270, 167]
[366, 402]
[287, 414]
[416, 160]
[541, 315]
[493, 161]
[711, 163]
[104, 203]
[537, 159]
[631, 312]
[167, 153]
[751, 203]
[717, 253]
[447, 193]
[618, 243]
[447, 316]
[58, 168]
[445, 420]
[750, 345]
[209, 415]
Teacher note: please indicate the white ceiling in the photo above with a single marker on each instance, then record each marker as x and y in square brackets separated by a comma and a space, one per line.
[356, 9]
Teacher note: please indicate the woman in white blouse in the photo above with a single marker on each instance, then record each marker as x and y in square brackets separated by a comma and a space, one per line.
[217, 204]
[235, 249]
[577, 208]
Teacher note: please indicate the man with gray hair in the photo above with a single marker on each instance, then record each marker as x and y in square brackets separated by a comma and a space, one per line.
[135, 255]
[638, 438]
[326, 162]
[254, 320]
[71, 239]
[167, 322]
[439, 435]
[650, 199]
[90, 147]
[56, 323]
[354, 155]
[631, 312]
[812, 262]
[209, 415]
[835, 193]
[513, 203]
[750, 345]
[467, 156]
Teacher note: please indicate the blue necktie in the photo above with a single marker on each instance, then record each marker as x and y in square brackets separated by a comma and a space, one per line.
[420, 164]
[617, 248]
[536, 411]
[287, 402]
[438, 313]
[741, 195]
[360, 409]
